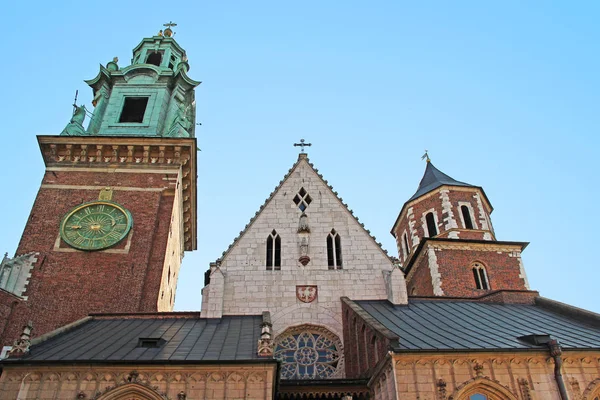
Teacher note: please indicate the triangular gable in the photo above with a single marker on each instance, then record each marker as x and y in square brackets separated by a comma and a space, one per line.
[302, 158]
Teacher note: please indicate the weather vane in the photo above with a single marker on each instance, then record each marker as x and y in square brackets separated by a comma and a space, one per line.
[426, 157]
[302, 144]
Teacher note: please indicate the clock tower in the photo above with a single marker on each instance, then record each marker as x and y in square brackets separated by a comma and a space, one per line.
[116, 209]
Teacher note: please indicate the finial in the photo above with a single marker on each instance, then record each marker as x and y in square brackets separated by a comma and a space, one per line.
[169, 32]
[302, 144]
[426, 157]
[115, 59]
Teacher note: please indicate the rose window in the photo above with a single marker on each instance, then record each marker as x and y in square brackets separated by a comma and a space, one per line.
[309, 352]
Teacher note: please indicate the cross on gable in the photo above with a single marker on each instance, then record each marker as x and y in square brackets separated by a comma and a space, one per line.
[302, 144]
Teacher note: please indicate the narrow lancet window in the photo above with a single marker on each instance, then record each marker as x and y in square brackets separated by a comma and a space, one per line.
[406, 246]
[273, 251]
[431, 225]
[334, 250]
[480, 276]
[466, 217]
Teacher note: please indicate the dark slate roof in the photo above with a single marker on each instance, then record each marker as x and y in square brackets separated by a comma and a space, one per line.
[462, 325]
[433, 179]
[186, 339]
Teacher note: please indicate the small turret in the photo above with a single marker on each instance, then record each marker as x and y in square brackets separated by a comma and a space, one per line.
[442, 207]
[448, 248]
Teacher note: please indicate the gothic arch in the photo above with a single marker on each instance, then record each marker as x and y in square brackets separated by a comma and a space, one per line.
[133, 391]
[309, 352]
[312, 314]
[592, 390]
[493, 389]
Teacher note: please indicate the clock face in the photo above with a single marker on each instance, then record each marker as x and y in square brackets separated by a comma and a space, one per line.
[96, 225]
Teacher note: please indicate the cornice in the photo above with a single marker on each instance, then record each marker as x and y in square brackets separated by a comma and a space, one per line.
[132, 153]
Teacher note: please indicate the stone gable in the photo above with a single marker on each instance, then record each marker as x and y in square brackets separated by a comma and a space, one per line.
[249, 288]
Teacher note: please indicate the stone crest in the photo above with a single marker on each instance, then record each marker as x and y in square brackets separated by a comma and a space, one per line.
[306, 294]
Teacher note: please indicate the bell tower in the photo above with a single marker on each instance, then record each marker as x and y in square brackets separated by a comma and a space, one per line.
[448, 248]
[116, 209]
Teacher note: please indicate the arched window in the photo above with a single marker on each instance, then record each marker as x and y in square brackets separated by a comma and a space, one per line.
[154, 58]
[309, 352]
[374, 349]
[480, 275]
[431, 225]
[273, 251]
[334, 250]
[406, 246]
[466, 213]
[478, 396]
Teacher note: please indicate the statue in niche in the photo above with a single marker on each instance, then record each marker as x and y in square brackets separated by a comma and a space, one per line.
[303, 225]
[75, 126]
[303, 233]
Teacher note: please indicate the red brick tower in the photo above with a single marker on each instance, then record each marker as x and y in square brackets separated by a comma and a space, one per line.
[448, 248]
[117, 204]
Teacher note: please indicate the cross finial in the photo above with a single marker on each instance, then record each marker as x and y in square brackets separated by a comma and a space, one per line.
[302, 144]
[169, 32]
[426, 157]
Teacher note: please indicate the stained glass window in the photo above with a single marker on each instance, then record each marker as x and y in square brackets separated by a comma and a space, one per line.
[478, 396]
[309, 352]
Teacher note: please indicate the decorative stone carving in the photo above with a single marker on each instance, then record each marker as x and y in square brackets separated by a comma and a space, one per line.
[525, 391]
[22, 344]
[75, 126]
[307, 293]
[303, 239]
[478, 368]
[441, 385]
[265, 343]
[309, 352]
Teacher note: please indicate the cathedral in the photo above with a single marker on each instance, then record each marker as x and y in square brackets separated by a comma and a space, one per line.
[303, 304]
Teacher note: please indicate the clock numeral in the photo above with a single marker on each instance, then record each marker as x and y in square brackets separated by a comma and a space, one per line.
[101, 208]
[114, 235]
[79, 240]
[87, 211]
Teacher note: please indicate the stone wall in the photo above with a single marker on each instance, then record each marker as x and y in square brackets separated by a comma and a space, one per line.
[249, 288]
[217, 381]
[499, 375]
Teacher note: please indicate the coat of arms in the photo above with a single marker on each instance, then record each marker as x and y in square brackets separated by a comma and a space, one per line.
[306, 294]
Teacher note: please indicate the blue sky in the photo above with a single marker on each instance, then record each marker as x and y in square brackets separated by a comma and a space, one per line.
[503, 95]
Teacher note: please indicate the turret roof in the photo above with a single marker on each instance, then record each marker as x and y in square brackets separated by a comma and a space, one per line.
[433, 179]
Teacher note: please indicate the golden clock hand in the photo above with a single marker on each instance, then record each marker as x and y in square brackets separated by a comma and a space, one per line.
[75, 227]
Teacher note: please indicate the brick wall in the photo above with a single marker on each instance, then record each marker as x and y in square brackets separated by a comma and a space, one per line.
[446, 204]
[67, 284]
[365, 346]
[454, 262]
